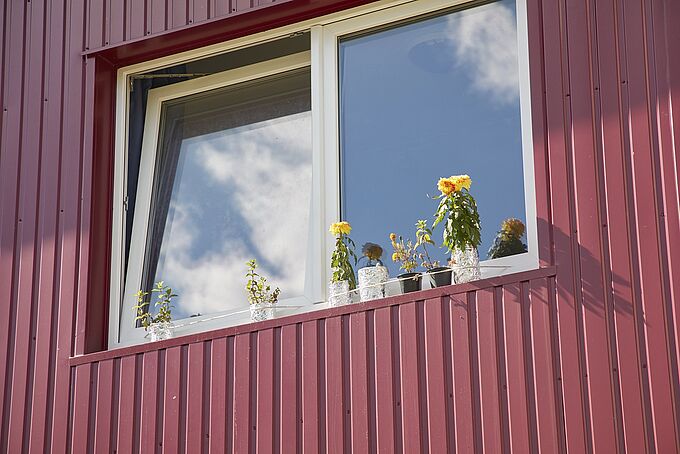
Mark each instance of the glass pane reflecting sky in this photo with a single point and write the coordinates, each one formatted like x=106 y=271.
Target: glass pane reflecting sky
x=425 y=100
x=239 y=193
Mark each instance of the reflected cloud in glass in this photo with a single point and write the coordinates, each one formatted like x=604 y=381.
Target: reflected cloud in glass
x=238 y=194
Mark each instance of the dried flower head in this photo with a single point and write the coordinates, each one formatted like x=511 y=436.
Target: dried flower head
x=372 y=251
x=513 y=227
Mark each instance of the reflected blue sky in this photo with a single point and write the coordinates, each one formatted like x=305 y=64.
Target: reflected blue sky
x=426 y=100
x=238 y=194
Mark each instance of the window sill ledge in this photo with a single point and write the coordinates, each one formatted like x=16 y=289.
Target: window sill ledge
x=318 y=314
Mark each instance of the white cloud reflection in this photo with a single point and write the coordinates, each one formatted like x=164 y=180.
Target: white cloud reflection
x=261 y=174
x=485 y=39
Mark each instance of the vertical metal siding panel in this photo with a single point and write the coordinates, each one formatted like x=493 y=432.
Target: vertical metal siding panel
x=502 y=367
x=24 y=297
x=81 y=409
x=538 y=322
x=196 y=398
x=240 y=5
x=222 y=8
x=218 y=396
x=117 y=21
x=173 y=398
x=47 y=223
x=311 y=399
x=126 y=404
x=335 y=408
x=627 y=317
x=667 y=45
x=488 y=371
x=178 y=13
x=515 y=365
x=95 y=24
x=589 y=272
x=242 y=393
x=102 y=433
x=435 y=383
x=575 y=411
x=106 y=22
x=3 y=32
x=385 y=392
x=157 y=16
x=231 y=377
x=10 y=162
x=654 y=94
x=288 y=416
x=464 y=424
x=200 y=10
x=69 y=234
x=410 y=380
x=265 y=391
x=135 y=20
x=644 y=183
x=359 y=382
x=149 y=389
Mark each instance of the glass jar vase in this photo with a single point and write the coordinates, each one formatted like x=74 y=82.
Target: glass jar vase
x=160 y=331
x=465 y=264
x=261 y=311
x=338 y=293
x=372 y=282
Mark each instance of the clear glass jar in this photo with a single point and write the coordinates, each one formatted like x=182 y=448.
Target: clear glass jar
x=465 y=264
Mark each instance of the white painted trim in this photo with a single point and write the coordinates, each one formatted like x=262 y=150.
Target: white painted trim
x=320 y=255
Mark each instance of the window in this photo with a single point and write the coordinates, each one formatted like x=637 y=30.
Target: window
x=442 y=98
x=251 y=149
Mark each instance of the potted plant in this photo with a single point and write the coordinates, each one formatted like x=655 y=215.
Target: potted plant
x=508 y=240
x=158 y=326
x=405 y=253
x=462 y=231
x=439 y=275
x=373 y=276
x=260 y=295
x=342 y=279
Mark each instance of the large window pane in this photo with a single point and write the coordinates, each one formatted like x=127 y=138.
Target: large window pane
x=425 y=100
x=232 y=182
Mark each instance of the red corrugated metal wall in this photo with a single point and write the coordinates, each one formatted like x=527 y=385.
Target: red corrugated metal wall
x=582 y=357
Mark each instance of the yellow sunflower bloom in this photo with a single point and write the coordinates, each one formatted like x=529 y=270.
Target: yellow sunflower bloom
x=462 y=181
x=341 y=227
x=446 y=186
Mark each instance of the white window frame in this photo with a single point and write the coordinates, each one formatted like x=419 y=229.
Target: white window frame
x=325 y=33
x=151 y=137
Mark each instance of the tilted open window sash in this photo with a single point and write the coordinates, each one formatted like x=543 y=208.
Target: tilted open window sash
x=225 y=176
